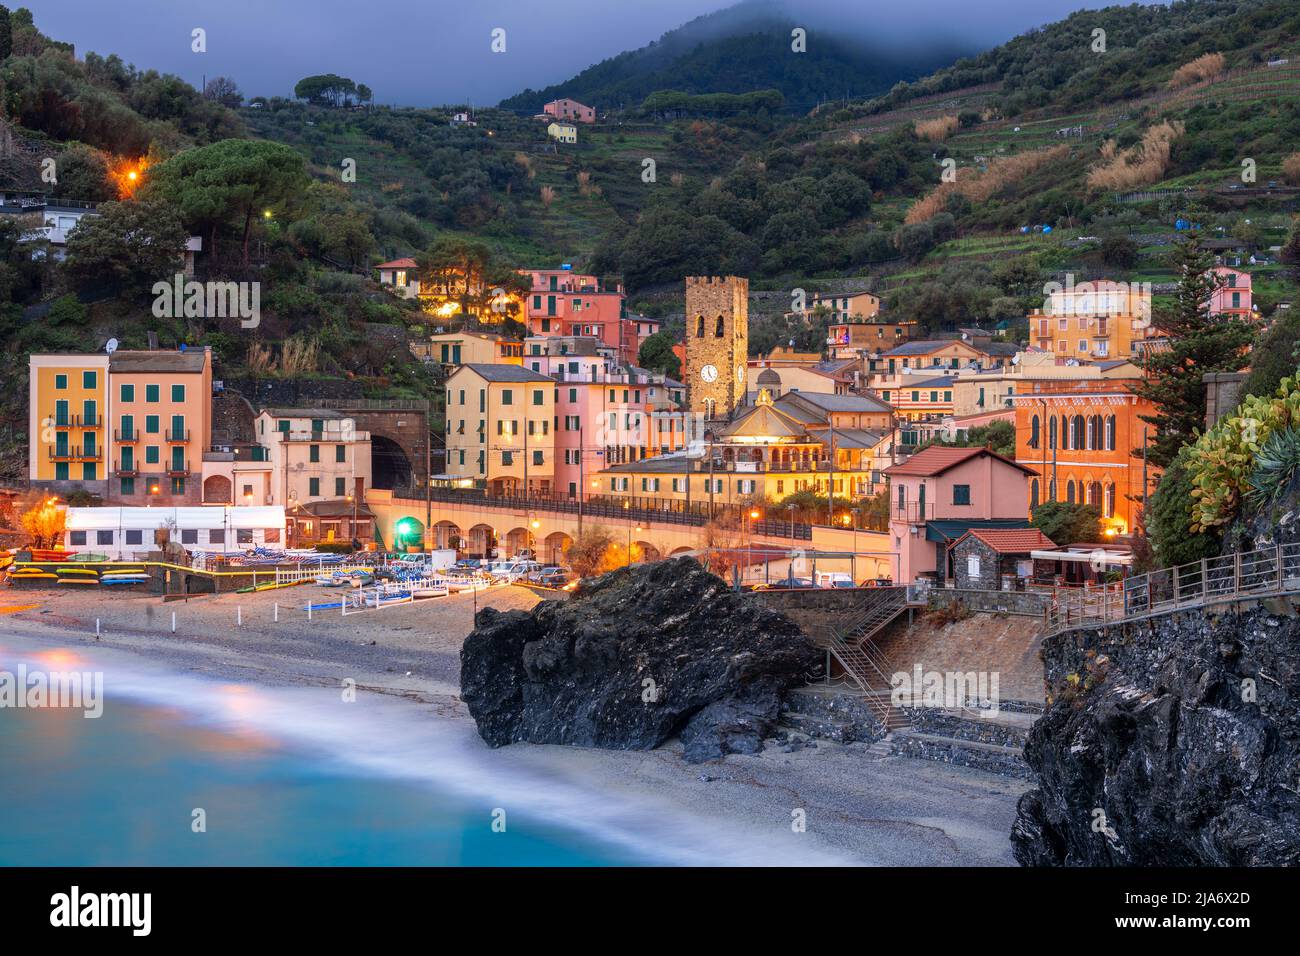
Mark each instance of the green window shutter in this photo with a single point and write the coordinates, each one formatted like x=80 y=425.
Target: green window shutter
x=178 y=393
x=151 y=393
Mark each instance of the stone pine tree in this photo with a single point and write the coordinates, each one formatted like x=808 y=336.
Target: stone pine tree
x=1198 y=342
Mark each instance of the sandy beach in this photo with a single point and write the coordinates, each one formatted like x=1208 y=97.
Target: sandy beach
x=859 y=808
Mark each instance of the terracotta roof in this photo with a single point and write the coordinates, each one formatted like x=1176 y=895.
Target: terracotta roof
x=1010 y=540
x=936 y=459
x=397 y=264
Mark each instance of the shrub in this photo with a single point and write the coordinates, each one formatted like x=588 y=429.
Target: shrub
x=1204 y=67
x=937 y=129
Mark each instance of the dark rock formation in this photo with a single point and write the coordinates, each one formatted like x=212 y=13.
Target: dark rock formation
x=1171 y=742
x=633 y=658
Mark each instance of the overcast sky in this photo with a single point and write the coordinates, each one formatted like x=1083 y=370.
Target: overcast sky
x=425 y=52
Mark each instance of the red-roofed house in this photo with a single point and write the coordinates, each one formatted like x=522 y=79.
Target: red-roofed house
x=399 y=275
x=992 y=559
x=940 y=493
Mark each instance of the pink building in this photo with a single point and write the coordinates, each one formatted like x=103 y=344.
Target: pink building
x=562 y=302
x=567 y=109
x=939 y=494
x=1234 y=297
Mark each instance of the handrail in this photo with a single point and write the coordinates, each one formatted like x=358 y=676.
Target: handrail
x=1223 y=579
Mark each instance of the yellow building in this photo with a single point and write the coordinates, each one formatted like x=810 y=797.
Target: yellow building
x=499 y=428
x=771 y=450
x=564 y=132
x=469 y=348
x=67 y=438
x=1093 y=320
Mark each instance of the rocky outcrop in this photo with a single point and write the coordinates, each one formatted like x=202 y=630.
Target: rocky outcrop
x=1169 y=742
x=632 y=659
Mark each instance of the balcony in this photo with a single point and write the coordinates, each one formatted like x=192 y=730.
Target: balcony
x=76 y=453
x=78 y=421
x=177 y=469
x=126 y=437
x=178 y=437
x=127 y=471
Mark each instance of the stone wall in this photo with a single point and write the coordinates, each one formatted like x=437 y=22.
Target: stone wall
x=990 y=565
x=711 y=297
x=1029 y=603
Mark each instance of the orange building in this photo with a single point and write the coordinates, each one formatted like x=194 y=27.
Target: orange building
x=1093 y=321
x=1085 y=439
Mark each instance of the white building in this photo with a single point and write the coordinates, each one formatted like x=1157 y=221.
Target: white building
x=131 y=533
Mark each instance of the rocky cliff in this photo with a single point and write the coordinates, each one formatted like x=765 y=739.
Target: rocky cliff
x=632 y=659
x=1170 y=742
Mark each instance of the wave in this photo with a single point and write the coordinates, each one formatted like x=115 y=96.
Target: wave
x=379 y=736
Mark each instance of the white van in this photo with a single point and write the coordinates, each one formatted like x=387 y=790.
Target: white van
x=833 y=579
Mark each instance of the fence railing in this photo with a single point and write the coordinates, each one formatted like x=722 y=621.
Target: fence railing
x=1226 y=578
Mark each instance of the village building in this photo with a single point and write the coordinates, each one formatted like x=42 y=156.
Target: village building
x=565 y=303
x=68 y=438
x=1084 y=440
x=461 y=348
x=316 y=454
x=499 y=428
x=399 y=277
x=562 y=132
x=997 y=559
x=133 y=533
x=1093 y=321
x=567 y=109
x=939 y=494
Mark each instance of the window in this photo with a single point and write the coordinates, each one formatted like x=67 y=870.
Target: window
x=1033 y=494
x=340 y=487
x=88 y=471
x=189 y=536
x=341 y=452
x=1034 y=426
x=215 y=536
x=313 y=453
x=961 y=494
x=89 y=379
x=538 y=397
x=538 y=458
x=61 y=382
x=178 y=393
x=135 y=537
x=178 y=428
x=972 y=565
x=151 y=455
x=178 y=486
x=507 y=396
x=151 y=425
x=103 y=537
x=126 y=393
x=244 y=536
x=151 y=393
x=507 y=459
x=128 y=486
x=916 y=396
x=77 y=538
x=313 y=487
x=128 y=426
x=699 y=328
x=717 y=331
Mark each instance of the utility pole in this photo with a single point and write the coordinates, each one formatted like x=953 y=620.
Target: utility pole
x=582 y=476
x=830 y=485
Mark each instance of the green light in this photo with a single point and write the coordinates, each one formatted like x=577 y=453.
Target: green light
x=407 y=528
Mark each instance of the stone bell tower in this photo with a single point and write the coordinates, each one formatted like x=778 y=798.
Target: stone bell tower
x=717 y=344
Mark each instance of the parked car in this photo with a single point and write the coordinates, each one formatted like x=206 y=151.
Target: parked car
x=784 y=584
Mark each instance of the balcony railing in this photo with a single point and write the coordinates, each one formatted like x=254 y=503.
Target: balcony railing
x=128 y=470
x=76 y=453
x=78 y=421
x=177 y=469
x=178 y=437
x=126 y=436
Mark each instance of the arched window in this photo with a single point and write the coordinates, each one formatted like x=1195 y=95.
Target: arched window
x=717 y=333
x=1033 y=432
x=1109 y=510
x=1065 y=431
x=699 y=328
x=1069 y=492
x=1094 y=493
x=1051 y=431
x=1110 y=434
x=1077 y=439
x=1033 y=493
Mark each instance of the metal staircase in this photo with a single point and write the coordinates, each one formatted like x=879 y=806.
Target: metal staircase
x=849 y=642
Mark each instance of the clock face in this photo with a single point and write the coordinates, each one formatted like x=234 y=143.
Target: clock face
x=709 y=373
x=740 y=373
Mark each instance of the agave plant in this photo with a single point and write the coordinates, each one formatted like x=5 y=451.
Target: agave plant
x=1275 y=466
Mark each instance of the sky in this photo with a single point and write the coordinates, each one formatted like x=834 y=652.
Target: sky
x=431 y=52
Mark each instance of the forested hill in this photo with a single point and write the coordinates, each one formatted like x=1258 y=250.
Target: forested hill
x=748 y=49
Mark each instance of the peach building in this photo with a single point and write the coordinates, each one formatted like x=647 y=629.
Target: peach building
x=562 y=302
x=160 y=410
x=940 y=493
x=499 y=428
x=567 y=109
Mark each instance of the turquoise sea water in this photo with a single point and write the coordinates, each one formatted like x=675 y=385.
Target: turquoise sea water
x=121 y=790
